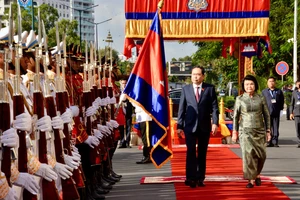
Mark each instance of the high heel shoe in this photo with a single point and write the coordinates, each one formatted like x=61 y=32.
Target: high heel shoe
x=258 y=181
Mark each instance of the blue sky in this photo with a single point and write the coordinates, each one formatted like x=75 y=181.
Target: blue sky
x=114 y=9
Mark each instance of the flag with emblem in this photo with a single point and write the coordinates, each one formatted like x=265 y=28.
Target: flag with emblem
x=147 y=87
x=25 y=3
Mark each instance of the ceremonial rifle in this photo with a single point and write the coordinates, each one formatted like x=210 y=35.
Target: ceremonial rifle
x=68 y=185
x=94 y=153
x=49 y=190
x=5 y=118
x=18 y=103
x=77 y=173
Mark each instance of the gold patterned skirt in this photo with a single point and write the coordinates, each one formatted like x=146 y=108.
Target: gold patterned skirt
x=252 y=142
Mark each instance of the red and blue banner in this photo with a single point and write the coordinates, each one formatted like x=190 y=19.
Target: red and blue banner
x=147 y=87
x=199 y=19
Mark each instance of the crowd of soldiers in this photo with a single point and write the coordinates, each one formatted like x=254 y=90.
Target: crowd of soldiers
x=57 y=107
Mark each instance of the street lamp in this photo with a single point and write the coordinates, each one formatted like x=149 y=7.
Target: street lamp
x=80 y=10
x=96 y=24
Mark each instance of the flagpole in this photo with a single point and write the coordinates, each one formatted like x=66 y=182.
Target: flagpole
x=159 y=6
x=169 y=128
x=295 y=65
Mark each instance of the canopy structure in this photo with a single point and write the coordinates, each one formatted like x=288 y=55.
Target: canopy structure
x=199 y=19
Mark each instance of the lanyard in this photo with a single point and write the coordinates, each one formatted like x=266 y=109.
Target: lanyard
x=272 y=94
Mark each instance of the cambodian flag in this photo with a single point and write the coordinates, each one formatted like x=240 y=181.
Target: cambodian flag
x=147 y=87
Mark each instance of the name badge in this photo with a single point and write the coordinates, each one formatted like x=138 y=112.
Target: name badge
x=273 y=100
x=298 y=103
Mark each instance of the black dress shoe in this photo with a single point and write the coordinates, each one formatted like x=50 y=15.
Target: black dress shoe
x=276 y=145
x=270 y=145
x=258 y=182
x=105 y=185
x=200 y=184
x=97 y=196
x=190 y=183
x=144 y=161
x=298 y=146
x=115 y=174
x=100 y=190
x=109 y=181
x=249 y=185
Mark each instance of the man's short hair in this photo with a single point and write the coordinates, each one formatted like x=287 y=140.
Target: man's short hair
x=200 y=67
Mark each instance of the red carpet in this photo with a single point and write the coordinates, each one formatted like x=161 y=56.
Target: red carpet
x=221 y=161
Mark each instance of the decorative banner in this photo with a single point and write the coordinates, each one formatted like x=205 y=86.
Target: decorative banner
x=249 y=47
x=199 y=19
x=25 y=3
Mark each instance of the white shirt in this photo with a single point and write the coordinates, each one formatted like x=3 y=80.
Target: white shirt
x=199 y=88
x=140 y=114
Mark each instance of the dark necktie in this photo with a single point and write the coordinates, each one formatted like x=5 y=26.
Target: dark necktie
x=197 y=94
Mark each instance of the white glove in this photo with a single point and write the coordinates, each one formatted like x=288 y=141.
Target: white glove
x=122 y=98
x=9 y=138
x=23 y=122
x=11 y=195
x=63 y=171
x=98 y=134
x=98 y=101
x=67 y=116
x=114 y=123
x=105 y=130
x=92 y=141
x=44 y=124
x=90 y=111
x=71 y=162
x=46 y=171
x=75 y=149
x=113 y=100
x=95 y=103
x=75 y=111
x=103 y=102
x=28 y=182
x=77 y=155
x=57 y=123
x=109 y=125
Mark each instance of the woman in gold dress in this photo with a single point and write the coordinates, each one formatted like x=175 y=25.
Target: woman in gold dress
x=251 y=123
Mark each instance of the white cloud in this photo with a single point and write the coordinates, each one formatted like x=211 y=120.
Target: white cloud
x=114 y=9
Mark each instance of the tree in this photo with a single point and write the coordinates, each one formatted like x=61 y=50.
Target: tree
x=48 y=14
x=280 y=31
x=67 y=27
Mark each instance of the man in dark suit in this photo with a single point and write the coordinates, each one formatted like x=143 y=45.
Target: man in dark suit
x=295 y=109
x=127 y=110
x=275 y=101
x=197 y=102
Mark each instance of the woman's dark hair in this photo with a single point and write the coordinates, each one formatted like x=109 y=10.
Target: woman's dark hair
x=250 y=78
x=200 y=67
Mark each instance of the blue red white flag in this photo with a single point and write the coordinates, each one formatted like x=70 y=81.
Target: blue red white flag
x=25 y=3
x=147 y=87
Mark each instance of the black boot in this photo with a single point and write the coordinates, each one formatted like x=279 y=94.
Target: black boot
x=115 y=175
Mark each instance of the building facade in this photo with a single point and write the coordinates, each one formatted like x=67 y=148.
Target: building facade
x=68 y=9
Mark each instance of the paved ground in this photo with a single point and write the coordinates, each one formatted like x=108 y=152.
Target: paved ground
x=284 y=161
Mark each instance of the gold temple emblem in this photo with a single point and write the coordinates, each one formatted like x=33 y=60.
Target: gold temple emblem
x=197 y=5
